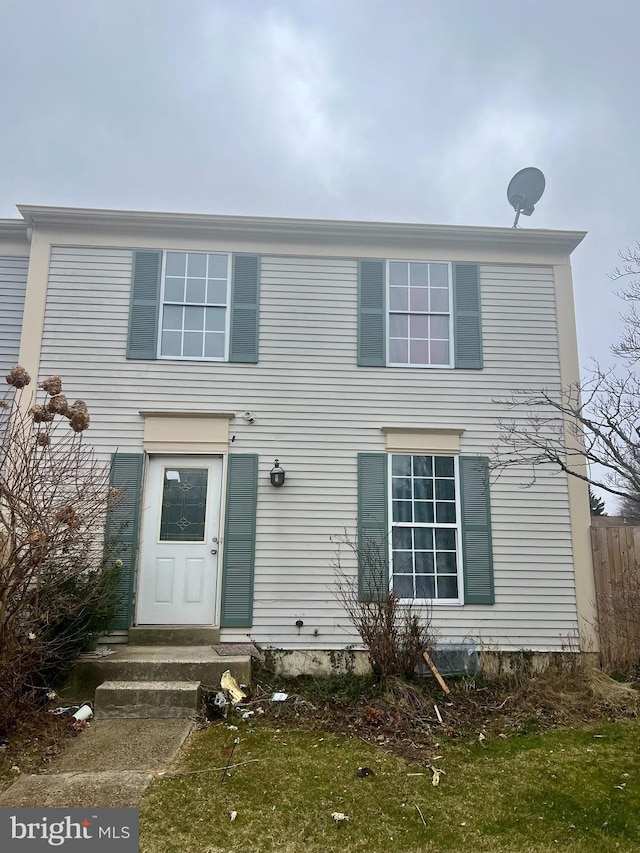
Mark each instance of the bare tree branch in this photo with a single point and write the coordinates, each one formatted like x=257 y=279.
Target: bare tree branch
x=589 y=431
x=600 y=418
x=629 y=345
x=394 y=633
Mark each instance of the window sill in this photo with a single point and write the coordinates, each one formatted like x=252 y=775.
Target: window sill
x=432 y=602
x=189 y=358
x=421 y=366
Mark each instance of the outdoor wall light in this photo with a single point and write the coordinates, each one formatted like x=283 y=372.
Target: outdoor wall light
x=277 y=475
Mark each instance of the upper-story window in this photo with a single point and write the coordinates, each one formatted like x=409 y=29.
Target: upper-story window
x=419 y=314
x=195 y=305
x=420 y=319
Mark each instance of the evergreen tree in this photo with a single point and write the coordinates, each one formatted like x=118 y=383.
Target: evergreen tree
x=629 y=508
x=597 y=504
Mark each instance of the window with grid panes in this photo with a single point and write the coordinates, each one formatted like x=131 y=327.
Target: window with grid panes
x=195 y=303
x=419 y=304
x=425 y=533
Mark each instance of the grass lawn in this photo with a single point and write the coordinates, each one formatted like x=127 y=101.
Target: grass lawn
x=572 y=791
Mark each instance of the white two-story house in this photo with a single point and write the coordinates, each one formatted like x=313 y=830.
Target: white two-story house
x=367 y=358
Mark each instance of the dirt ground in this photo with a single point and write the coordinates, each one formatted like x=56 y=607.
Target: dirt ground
x=408 y=718
x=411 y=718
x=33 y=743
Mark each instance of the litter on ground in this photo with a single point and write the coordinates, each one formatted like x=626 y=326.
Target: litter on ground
x=228 y=683
x=279 y=697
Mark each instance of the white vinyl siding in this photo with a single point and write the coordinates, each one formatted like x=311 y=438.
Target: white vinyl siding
x=13 y=282
x=315 y=410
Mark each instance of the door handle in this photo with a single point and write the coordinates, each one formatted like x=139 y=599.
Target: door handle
x=214 y=550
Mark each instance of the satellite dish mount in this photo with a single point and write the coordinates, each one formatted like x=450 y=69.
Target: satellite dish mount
x=525 y=191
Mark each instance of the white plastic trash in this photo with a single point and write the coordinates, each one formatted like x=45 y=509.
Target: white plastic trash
x=84 y=712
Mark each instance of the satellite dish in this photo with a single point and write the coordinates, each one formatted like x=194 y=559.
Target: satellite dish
x=525 y=191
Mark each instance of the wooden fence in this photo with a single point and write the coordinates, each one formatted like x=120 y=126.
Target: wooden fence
x=616 y=562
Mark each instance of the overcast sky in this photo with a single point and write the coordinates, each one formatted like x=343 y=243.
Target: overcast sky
x=398 y=110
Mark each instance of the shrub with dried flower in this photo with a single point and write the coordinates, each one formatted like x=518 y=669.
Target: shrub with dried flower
x=57 y=584
x=18 y=377
x=52 y=385
x=78 y=415
x=59 y=405
x=67 y=515
x=41 y=415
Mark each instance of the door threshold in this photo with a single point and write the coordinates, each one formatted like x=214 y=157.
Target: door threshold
x=174 y=635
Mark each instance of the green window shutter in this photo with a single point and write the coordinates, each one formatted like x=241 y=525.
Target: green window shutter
x=373 y=541
x=145 y=304
x=467 y=316
x=121 y=529
x=372 y=345
x=239 y=541
x=245 y=309
x=477 y=554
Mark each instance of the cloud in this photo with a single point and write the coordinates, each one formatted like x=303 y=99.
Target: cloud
x=502 y=131
x=297 y=94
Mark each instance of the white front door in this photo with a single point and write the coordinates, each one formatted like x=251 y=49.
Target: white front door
x=178 y=566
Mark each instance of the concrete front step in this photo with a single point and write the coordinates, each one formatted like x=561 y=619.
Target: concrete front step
x=170 y=635
x=147 y=699
x=153 y=663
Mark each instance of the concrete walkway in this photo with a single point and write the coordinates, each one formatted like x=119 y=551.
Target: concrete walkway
x=110 y=764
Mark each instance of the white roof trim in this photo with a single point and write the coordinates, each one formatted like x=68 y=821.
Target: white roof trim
x=14 y=228
x=325 y=229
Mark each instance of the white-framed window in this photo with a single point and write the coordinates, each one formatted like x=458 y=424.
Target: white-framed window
x=424 y=498
x=420 y=319
x=194 y=316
